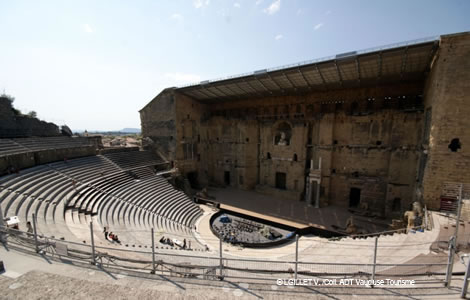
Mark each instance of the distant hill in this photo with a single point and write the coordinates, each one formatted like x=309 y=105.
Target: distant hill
x=130 y=130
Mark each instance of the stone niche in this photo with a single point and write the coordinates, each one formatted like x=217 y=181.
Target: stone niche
x=282 y=134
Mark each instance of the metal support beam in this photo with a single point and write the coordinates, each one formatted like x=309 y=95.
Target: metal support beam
x=304 y=78
x=209 y=92
x=358 y=67
x=339 y=73
x=321 y=76
x=220 y=91
x=275 y=83
x=403 y=63
x=265 y=88
x=379 y=75
x=290 y=81
x=256 y=91
x=244 y=91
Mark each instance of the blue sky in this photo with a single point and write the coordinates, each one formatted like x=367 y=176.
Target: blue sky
x=93 y=64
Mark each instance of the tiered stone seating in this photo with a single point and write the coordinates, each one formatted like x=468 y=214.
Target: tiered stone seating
x=134 y=159
x=44 y=143
x=8 y=147
x=67 y=195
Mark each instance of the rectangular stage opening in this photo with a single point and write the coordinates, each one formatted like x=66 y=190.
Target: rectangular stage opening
x=354 y=197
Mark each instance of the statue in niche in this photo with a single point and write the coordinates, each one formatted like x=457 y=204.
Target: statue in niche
x=283 y=134
x=282 y=139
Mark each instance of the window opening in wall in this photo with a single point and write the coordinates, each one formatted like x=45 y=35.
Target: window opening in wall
x=193 y=180
x=339 y=105
x=370 y=104
x=280 y=180
x=378 y=143
x=295 y=157
x=227 y=177
x=268 y=155
x=396 y=204
x=247 y=140
x=354 y=108
x=455 y=145
x=354 y=197
x=198 y=138
x=240 y=180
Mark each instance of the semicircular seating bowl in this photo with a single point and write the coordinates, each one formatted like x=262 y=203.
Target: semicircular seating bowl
x=119 y=190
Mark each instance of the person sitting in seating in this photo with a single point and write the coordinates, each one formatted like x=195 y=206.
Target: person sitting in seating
x=111 y=235
x=163 y=240
x=29 y=228
x=116 y=239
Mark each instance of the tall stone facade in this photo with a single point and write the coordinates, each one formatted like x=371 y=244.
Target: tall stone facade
x=381 y=146
x=447 y=95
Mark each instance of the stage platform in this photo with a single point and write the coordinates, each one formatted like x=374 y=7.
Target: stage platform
x=291 y=213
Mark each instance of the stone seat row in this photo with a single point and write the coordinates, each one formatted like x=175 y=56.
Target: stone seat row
x=79 y=183
x=134 y=159
x=22 y=145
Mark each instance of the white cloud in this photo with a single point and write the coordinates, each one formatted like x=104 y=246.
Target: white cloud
x=318 y=26
x=177 y=17
x=183 y=77
x=278 y=37
x=88 y=28
x=200 y=3
x=273 y=8
x=236 y=4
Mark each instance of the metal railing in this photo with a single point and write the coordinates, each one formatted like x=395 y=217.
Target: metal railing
x=214 y=266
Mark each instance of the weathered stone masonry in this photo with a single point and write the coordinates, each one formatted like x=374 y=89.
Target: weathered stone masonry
x=382 y=145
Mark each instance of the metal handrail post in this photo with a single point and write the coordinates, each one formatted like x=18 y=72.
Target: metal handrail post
x=153 y=253
x=92 y=244
x=36 y=243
